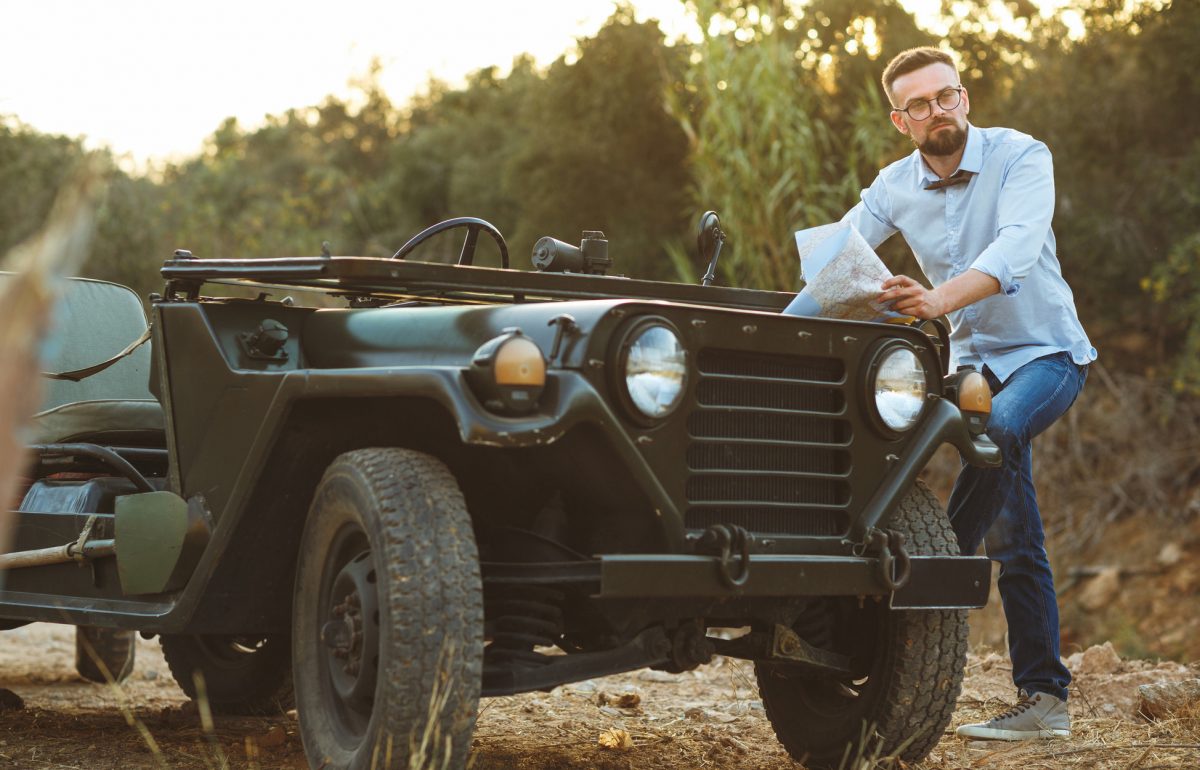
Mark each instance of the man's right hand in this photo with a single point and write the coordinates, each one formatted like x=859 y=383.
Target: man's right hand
x=909 y=297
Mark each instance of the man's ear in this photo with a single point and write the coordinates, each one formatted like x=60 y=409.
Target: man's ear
x=898 y=122
x=966 y=101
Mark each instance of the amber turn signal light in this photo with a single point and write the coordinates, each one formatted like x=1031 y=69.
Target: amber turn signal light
x=508 y=373
x=974 y=395
x=969 y=390
x=519 y=361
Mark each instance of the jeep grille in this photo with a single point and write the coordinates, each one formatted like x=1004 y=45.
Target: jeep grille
x=768 y=444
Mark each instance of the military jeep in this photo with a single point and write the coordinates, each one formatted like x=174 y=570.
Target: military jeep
x=466 y=481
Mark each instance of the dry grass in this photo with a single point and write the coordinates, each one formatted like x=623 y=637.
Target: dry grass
x=707 y=719
x=26 y=301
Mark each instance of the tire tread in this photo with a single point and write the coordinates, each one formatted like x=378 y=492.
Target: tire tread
x=435 y=600
x=927 y=651
x=263 y=687
x=116 y=648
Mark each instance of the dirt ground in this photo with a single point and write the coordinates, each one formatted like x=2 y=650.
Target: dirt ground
x=708 y=718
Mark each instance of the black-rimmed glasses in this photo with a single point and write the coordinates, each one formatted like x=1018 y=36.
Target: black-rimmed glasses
x=921 y=109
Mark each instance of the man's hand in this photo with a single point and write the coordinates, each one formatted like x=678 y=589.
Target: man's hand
x=911 y=298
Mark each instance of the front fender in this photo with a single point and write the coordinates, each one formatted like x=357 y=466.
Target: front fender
x=943 y=424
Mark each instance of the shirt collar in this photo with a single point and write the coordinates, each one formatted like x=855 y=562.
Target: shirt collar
x=972 y=159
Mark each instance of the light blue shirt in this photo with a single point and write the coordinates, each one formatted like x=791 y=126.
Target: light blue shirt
x=999 y=224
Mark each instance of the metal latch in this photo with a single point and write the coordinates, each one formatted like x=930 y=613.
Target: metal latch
x=267 y=343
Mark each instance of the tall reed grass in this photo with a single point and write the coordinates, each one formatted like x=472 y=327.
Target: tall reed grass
x=26 y=301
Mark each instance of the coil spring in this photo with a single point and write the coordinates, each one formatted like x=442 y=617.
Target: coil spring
x=523 y=619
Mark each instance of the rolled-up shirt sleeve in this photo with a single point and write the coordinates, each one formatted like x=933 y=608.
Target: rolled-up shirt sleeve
x=872 y=215
x=1025 y=209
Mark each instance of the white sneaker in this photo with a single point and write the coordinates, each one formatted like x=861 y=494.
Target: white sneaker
x=1036 y=715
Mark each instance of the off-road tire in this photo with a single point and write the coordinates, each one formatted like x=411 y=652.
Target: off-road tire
x=915 y=671
x=104 y=654
x=400 y=514
x=242 y=676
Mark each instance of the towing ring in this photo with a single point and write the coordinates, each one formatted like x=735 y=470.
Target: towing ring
x=725 y=539
x=894 y=565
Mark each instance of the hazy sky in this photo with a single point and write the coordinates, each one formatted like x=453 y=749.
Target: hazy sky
x=154 y=77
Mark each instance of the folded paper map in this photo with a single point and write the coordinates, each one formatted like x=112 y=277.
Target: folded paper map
x=843 y=276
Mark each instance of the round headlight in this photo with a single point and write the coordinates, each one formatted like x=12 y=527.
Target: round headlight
x=655 y=370
x=899 y=388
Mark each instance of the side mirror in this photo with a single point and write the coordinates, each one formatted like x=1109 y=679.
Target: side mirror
x=709 y=240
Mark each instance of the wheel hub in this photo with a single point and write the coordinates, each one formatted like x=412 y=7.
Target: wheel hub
x=350 y=634
x=344 y=638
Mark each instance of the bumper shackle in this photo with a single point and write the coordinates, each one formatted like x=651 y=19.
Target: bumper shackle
x=894 y=564
x=722 y=540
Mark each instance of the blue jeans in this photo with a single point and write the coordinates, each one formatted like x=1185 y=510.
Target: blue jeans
x=998 y=506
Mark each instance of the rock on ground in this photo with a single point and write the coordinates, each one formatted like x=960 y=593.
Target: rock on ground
x=1163 y=700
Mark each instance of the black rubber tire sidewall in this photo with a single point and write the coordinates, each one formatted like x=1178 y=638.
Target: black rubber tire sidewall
x=246 y=684
x=430 y=605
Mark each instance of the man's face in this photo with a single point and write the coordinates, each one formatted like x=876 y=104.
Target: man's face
x=944 y=132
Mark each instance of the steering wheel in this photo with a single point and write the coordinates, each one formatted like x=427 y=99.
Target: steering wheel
x=467 y=255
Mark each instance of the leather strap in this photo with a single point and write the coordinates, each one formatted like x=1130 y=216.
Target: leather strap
x=75 y=375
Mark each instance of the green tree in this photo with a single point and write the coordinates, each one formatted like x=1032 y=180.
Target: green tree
x=1119 y=109
x=451 y=158
x=585 y=144
x=33 y=166
x=602 y=153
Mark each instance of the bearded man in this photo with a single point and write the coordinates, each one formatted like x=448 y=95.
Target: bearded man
x=974 y=205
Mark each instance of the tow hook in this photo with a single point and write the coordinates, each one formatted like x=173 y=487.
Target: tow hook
x=894 y=564
x=724 y=540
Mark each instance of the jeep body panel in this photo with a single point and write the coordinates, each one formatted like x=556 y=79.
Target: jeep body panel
x=249 y=434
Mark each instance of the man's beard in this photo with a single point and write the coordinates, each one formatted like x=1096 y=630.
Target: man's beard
x=942 y=143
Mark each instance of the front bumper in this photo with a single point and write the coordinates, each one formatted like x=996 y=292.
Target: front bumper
x=934 y=582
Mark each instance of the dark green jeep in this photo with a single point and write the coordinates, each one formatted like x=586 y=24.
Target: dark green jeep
x=469 y=481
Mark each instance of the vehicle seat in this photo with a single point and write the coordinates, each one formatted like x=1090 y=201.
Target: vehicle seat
x=95 y=320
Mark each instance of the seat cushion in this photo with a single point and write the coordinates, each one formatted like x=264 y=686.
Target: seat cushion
x=137 y=422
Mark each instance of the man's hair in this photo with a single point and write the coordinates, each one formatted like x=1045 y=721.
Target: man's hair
x=910 y=61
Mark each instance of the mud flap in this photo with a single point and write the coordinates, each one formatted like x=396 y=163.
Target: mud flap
x=159 y=538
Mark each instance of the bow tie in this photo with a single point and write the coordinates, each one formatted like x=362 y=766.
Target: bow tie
x=958 y=177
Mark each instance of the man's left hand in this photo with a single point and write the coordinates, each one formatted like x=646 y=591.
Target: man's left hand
x=911 y=298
